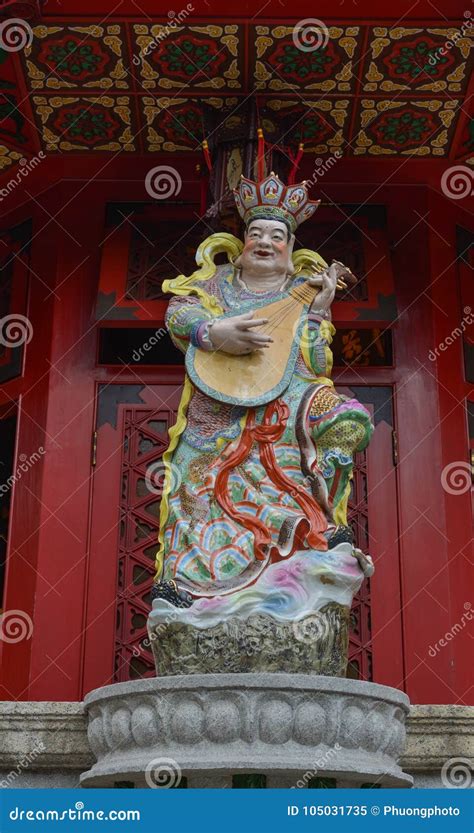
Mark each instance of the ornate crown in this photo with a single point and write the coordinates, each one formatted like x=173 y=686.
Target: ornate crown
x=272 y=198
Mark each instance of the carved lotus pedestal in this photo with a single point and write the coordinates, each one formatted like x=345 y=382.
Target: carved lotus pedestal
x=206 y=730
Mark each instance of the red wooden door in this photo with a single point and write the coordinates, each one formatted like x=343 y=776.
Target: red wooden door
x=131 y=435
x=376 y=620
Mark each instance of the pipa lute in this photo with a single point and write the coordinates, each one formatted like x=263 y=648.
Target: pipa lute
x=258 y=377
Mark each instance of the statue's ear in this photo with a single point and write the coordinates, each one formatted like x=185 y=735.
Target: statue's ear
x=237 y=262
x=291 y=242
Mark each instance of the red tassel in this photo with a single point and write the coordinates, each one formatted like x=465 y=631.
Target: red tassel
x=207 y=155
x=260 y=155
x=295 y=166
x=203 y=190
x=204 y=175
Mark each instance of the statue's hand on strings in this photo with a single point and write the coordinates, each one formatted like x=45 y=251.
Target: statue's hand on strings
x=335 y=276
x=238 y=334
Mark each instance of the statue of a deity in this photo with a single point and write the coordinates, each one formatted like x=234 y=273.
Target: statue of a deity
x=257 y=566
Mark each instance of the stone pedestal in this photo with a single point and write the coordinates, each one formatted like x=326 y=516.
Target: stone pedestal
x=44 y=744
x=288 y=729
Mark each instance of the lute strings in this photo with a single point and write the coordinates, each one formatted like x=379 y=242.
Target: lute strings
x=280 y=314
x=277 y=317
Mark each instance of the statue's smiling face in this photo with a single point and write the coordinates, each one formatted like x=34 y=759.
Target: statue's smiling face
x=267 y=248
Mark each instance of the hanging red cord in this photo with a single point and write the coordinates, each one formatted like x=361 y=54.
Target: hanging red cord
x=203 y=181
x=207 y=155
x=260 y=154
x=296 y=161
x=204 y=175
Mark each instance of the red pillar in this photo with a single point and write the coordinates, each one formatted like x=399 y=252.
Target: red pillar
x=434 y=530
x=47 y=572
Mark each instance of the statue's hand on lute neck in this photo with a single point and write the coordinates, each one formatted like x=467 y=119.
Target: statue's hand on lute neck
x=336 y=276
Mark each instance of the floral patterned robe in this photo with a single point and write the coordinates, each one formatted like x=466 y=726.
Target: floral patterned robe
x=205 y=548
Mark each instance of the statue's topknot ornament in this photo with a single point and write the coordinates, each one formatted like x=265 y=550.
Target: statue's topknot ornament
x=272 y=199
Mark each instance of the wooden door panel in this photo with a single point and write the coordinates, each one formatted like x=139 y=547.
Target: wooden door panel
x=132 y=424
x=373 y=513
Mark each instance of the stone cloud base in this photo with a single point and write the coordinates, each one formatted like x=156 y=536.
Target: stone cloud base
x=209 y=728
